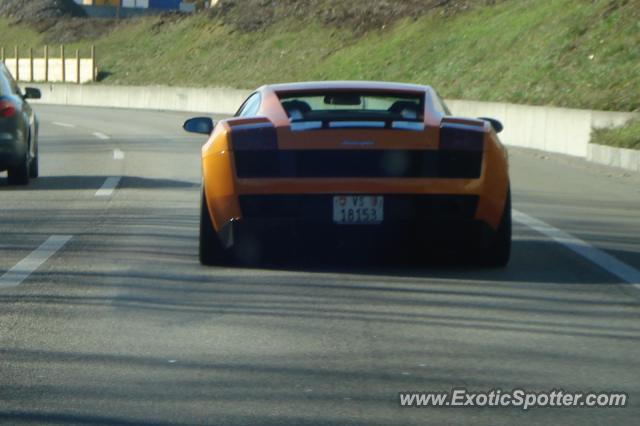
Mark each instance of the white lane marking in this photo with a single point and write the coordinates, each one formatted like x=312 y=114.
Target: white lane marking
x=21 y=271
x=108 y=187
x=57 y=123
x=101 y=136
x=118 y=154
x=605 y=261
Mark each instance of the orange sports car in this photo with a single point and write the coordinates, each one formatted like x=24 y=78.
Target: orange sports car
x=374 y=163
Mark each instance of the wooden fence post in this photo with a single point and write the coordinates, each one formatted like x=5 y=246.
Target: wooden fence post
x=64 y=75
x=94 y=69
x=31 y=64
x=17 y=55
x=46 y=63
x=77 y=66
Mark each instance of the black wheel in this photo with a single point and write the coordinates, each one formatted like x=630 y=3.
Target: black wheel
x=211 y=250
x=19 y=175
x=498 y=251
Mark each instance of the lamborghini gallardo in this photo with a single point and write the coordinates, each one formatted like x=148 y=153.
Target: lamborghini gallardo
x=373 y=163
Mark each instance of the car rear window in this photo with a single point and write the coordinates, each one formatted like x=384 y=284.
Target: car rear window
x=343 y=109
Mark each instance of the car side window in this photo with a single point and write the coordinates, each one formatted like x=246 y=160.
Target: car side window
x=440 y=105
x=11 y=84
x=5 y=88
x=250 y=107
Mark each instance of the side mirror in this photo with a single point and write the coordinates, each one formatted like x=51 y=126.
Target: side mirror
x=203 y=125
x=497 y=125
x=32 y=93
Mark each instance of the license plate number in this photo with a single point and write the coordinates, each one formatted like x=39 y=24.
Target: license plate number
x=358 y=209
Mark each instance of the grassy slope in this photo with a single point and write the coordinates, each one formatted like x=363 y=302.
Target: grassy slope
x=524 y=51
x=627 y=136
x=518 y=51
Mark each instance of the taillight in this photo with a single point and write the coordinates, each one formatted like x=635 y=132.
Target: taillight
x=461 y=137
x=7 y=109
x=256 y=136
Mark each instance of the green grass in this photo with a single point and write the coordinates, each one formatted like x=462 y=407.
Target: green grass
x=627 y=136
x=19 y=35
x=582 y=54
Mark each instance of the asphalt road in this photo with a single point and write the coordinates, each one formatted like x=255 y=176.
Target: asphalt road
x=122 y=325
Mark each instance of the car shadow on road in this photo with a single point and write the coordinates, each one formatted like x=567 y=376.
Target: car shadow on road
x=532 y=261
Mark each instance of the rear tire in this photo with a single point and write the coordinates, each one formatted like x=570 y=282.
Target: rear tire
x=211 y=251
x=498 y=252
x=19 y=175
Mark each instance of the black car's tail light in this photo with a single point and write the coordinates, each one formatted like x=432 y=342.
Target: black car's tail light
x=7 y=109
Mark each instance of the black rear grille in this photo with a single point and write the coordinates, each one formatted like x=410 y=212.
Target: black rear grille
x=358 y=163
x=397 y=207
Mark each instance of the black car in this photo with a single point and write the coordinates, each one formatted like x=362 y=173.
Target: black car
x=18 y=131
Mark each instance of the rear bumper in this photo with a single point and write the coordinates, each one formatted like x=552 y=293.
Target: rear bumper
x=310 y=235
x=12 y=150
x=307 y=219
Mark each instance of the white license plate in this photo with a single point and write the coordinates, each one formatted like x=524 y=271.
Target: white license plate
x=358 y=209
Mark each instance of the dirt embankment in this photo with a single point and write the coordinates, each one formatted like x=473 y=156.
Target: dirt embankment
x=359 y=15
x=60 y=21
x=37 y=10
x=63 y=21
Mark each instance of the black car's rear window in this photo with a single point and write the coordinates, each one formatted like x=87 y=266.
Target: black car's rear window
x=341 y=109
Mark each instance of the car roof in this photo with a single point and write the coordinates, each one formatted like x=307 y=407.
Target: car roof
x=375 y=86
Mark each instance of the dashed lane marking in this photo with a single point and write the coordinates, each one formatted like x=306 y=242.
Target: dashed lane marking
x=107 y=188
x=21 y=271
x=101 y=136
x=118 y=154
x=59 y=124
x=604 y=260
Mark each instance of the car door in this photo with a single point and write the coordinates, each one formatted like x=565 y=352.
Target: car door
x=27 y=124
